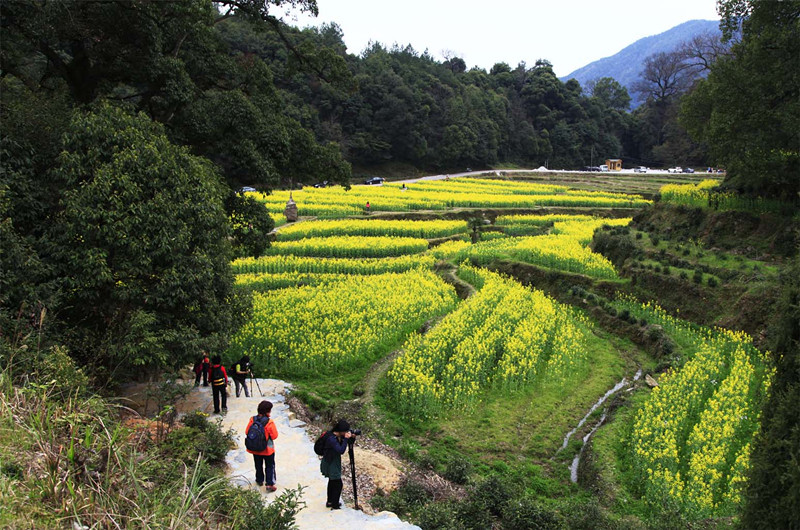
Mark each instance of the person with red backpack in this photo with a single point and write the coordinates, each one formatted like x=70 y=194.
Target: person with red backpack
x=219 y=384
x=206 y=368
x=259 y=436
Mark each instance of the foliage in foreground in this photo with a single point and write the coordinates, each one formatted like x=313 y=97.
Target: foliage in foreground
x=503 y=500
x=68 y=460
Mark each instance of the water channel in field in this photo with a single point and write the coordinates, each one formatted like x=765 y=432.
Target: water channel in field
x=573 y=468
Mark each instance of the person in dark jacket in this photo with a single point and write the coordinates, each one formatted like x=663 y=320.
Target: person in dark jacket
x=265 y=460
x=198 y=371
x=331 y=464
x=240 y=372
x=202 y=367
x=219 y=384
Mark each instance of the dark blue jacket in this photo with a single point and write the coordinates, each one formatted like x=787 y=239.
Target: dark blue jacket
x=331 y=464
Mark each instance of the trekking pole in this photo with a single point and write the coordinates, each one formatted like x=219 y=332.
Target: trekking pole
x=350 y=443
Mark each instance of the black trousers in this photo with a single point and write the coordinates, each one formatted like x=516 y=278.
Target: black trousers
x=334 y=492
x=220 y=391
x=265 y=469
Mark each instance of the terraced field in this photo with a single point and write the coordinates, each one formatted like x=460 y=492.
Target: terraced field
x=348 y=293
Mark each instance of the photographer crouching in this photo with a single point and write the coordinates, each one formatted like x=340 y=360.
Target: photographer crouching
x=241 y=370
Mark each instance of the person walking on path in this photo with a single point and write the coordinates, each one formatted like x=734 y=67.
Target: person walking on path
x=202 y=367
x=264 y=460
x=331 y=464
x=198 y=371
x=240 y=372
x=219 y=384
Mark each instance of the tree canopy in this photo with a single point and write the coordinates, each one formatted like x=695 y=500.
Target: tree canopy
x=140 y=245
x=748 y=110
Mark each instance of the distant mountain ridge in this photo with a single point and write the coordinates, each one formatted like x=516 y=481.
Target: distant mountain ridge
x=626 y=65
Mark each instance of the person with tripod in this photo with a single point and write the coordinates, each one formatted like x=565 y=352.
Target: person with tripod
x=336 y=443
x=240 y=372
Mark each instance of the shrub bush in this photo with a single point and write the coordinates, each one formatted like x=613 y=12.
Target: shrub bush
x=458 y=471
x=196 y=420
x=697 y=277
x=526 y=513
x=442 y=515
x=246 y=509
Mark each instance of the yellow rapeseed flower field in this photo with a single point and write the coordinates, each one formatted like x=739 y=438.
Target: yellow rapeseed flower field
x=690 y=436
x=505 y=336
x=350 y=321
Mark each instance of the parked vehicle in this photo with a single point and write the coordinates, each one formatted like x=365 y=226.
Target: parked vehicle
x=323 y=184
x=640 y=169
x=688 y=170
x=244 y=189
x=603 y=168
x=591 y=168
x=676 y=169
x=374 y=180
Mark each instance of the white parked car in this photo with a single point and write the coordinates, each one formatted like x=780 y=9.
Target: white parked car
x=640 y=169
x=603 y=167
x=677 y=169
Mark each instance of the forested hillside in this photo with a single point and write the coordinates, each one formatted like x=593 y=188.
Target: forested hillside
x=399 y=105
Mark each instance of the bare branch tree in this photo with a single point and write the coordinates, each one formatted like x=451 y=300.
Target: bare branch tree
x=704 y=50
x=664 y=76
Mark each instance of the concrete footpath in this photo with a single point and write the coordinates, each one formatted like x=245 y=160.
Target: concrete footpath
x=295 y=461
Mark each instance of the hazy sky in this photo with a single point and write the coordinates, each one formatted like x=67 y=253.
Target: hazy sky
x=568 y=33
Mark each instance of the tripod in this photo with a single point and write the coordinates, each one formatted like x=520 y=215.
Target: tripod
x=257 y=385
x=350 y=443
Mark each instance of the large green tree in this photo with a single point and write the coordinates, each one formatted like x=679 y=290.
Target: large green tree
x=140 y=246
x=172 y=62
x=748 y=109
